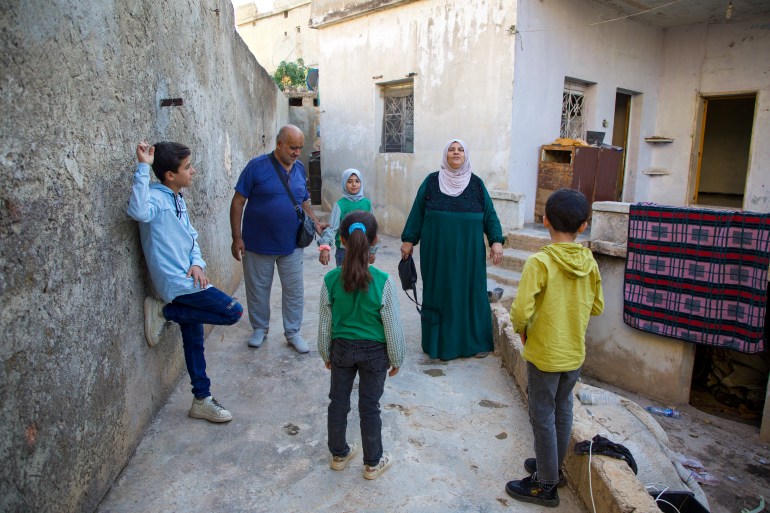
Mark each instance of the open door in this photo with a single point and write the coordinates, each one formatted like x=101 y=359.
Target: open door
x=620 y=135
x=723 y=156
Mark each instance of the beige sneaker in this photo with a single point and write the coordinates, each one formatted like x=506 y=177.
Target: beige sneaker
x=154 y=321
x=209 y=409
x=341 y=462
x=376 y=471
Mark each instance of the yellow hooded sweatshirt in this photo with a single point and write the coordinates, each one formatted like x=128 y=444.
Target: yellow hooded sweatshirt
x=560 y=289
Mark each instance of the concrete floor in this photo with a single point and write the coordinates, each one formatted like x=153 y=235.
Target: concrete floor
x=458 y=430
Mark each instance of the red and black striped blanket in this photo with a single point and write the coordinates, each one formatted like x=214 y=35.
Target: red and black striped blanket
x=698 y=275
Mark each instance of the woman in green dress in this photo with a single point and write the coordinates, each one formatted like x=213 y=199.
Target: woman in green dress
x=449 y=218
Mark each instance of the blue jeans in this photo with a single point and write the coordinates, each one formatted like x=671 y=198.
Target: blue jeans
x=370 y=360
x=191 y=312
x=339 y=256
x=550 y=413
x=258 y=270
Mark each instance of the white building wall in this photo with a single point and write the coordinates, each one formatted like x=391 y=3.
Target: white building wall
x=462 y=57
x=274 y=37
x=710 y=60
x=556 y=40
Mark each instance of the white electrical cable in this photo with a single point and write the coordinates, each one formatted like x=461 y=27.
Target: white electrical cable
x=590 y=485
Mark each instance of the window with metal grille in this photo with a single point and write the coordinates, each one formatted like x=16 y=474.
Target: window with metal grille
x=398 y=118
x=572 y=102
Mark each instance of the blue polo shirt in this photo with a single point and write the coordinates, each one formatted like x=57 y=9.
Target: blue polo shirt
x=270 y=222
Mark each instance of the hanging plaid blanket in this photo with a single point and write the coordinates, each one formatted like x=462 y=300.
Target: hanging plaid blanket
x=698 y=275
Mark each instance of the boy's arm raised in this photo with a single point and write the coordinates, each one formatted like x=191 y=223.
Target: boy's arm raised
x=140 y=207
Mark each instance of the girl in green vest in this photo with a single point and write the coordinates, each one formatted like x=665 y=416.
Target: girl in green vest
x=352 y=199
x=359 y=332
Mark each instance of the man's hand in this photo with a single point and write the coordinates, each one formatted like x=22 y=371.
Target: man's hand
x=145 y=153
x=393 y=371
x=198 y=276
x=320 y=227
x=496 y=252
x=328 y=365
x=323 y=256
x=406 y=250
x=238 y=248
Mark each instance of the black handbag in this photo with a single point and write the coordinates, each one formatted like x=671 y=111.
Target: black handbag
x=407 y=273
x=306 y=230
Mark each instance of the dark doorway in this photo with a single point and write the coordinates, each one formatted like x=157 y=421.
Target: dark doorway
x=730 y=384
x=620 y=135
x=724 y=151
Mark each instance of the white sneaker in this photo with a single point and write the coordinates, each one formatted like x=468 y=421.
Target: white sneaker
x=299 y=344
x=341 y=462
x=376 y=471
x=256 y=339
x=154 y=321
x=209 y=409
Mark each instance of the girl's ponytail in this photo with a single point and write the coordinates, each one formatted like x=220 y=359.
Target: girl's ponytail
x=358 y=231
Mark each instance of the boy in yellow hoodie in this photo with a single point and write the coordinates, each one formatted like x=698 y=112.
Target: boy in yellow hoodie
x=560 y=289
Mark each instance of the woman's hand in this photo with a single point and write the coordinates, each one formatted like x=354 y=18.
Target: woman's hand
x=495 y=252
x=406 y=250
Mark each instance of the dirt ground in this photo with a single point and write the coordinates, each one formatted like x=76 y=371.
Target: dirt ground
x=728 y=449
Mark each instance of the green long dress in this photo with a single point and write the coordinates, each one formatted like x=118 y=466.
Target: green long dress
x=456 y=317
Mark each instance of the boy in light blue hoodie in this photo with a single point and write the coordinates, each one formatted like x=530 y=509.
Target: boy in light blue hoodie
x=170 y=245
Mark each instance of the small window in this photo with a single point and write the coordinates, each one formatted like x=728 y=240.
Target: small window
x=398 y=118
x=285 y=14
x=572 y=105
x=315 y=102
x=295 y=102
x=298 y=30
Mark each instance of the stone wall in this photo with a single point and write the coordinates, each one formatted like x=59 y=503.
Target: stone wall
x=82 y=82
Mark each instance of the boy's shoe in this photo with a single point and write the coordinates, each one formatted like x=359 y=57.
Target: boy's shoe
x=376 y=471
x=209 y=408
x=154 y=321
x=257 y=338
x=530 y=490
x=530 y=465
x=341 y=462
x=299 y=344
x=482 y=354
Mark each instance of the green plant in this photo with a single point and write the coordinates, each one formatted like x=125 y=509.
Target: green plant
x=290 y=74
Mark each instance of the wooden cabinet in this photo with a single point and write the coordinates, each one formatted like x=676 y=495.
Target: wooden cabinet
x=594 y=171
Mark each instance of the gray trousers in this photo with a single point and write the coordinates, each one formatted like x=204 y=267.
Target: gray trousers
x=258 y=275
x=550 y=413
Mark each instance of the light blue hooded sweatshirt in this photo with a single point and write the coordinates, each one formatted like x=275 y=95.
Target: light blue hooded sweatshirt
x=169 y=241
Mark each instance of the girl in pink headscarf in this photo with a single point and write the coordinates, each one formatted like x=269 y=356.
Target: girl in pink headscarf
x=450 y=216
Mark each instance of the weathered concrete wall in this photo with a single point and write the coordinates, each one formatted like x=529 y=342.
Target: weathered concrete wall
x=458 y=54
x=709 y=60
x=81 y=84
x=306 y=118
x=274 y=36
x=556 y=40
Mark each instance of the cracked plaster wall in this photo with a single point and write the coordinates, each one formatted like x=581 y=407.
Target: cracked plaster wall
x=81 y=84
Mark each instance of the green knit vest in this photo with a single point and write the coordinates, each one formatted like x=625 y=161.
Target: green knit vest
x=356 y=315
x=347 y=206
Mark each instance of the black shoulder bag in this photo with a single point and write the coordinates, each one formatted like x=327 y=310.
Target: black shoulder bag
x=306 y=231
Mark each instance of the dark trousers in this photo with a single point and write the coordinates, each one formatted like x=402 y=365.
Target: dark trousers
x=191 y=312
x=370 y=360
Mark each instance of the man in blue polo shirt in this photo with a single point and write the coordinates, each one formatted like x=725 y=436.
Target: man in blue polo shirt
x=268 y=237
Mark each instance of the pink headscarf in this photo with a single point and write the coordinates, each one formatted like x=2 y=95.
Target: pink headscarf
x=453 y=182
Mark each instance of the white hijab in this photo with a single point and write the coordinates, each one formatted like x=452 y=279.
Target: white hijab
x=453 y=182
x=345 y=175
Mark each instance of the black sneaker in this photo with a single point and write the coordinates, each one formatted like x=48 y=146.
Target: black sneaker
x=529 y=490
x=530 y=465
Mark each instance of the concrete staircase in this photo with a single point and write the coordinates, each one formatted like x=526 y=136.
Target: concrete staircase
x=519 y=245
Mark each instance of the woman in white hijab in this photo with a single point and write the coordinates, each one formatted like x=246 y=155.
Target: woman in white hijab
x=450 y=216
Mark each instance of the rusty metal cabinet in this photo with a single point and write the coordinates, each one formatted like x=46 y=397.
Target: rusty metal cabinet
x=594 y=171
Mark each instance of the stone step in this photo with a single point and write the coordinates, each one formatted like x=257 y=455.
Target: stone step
x=514 y=259
x=504 y=277
x=534 y=237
